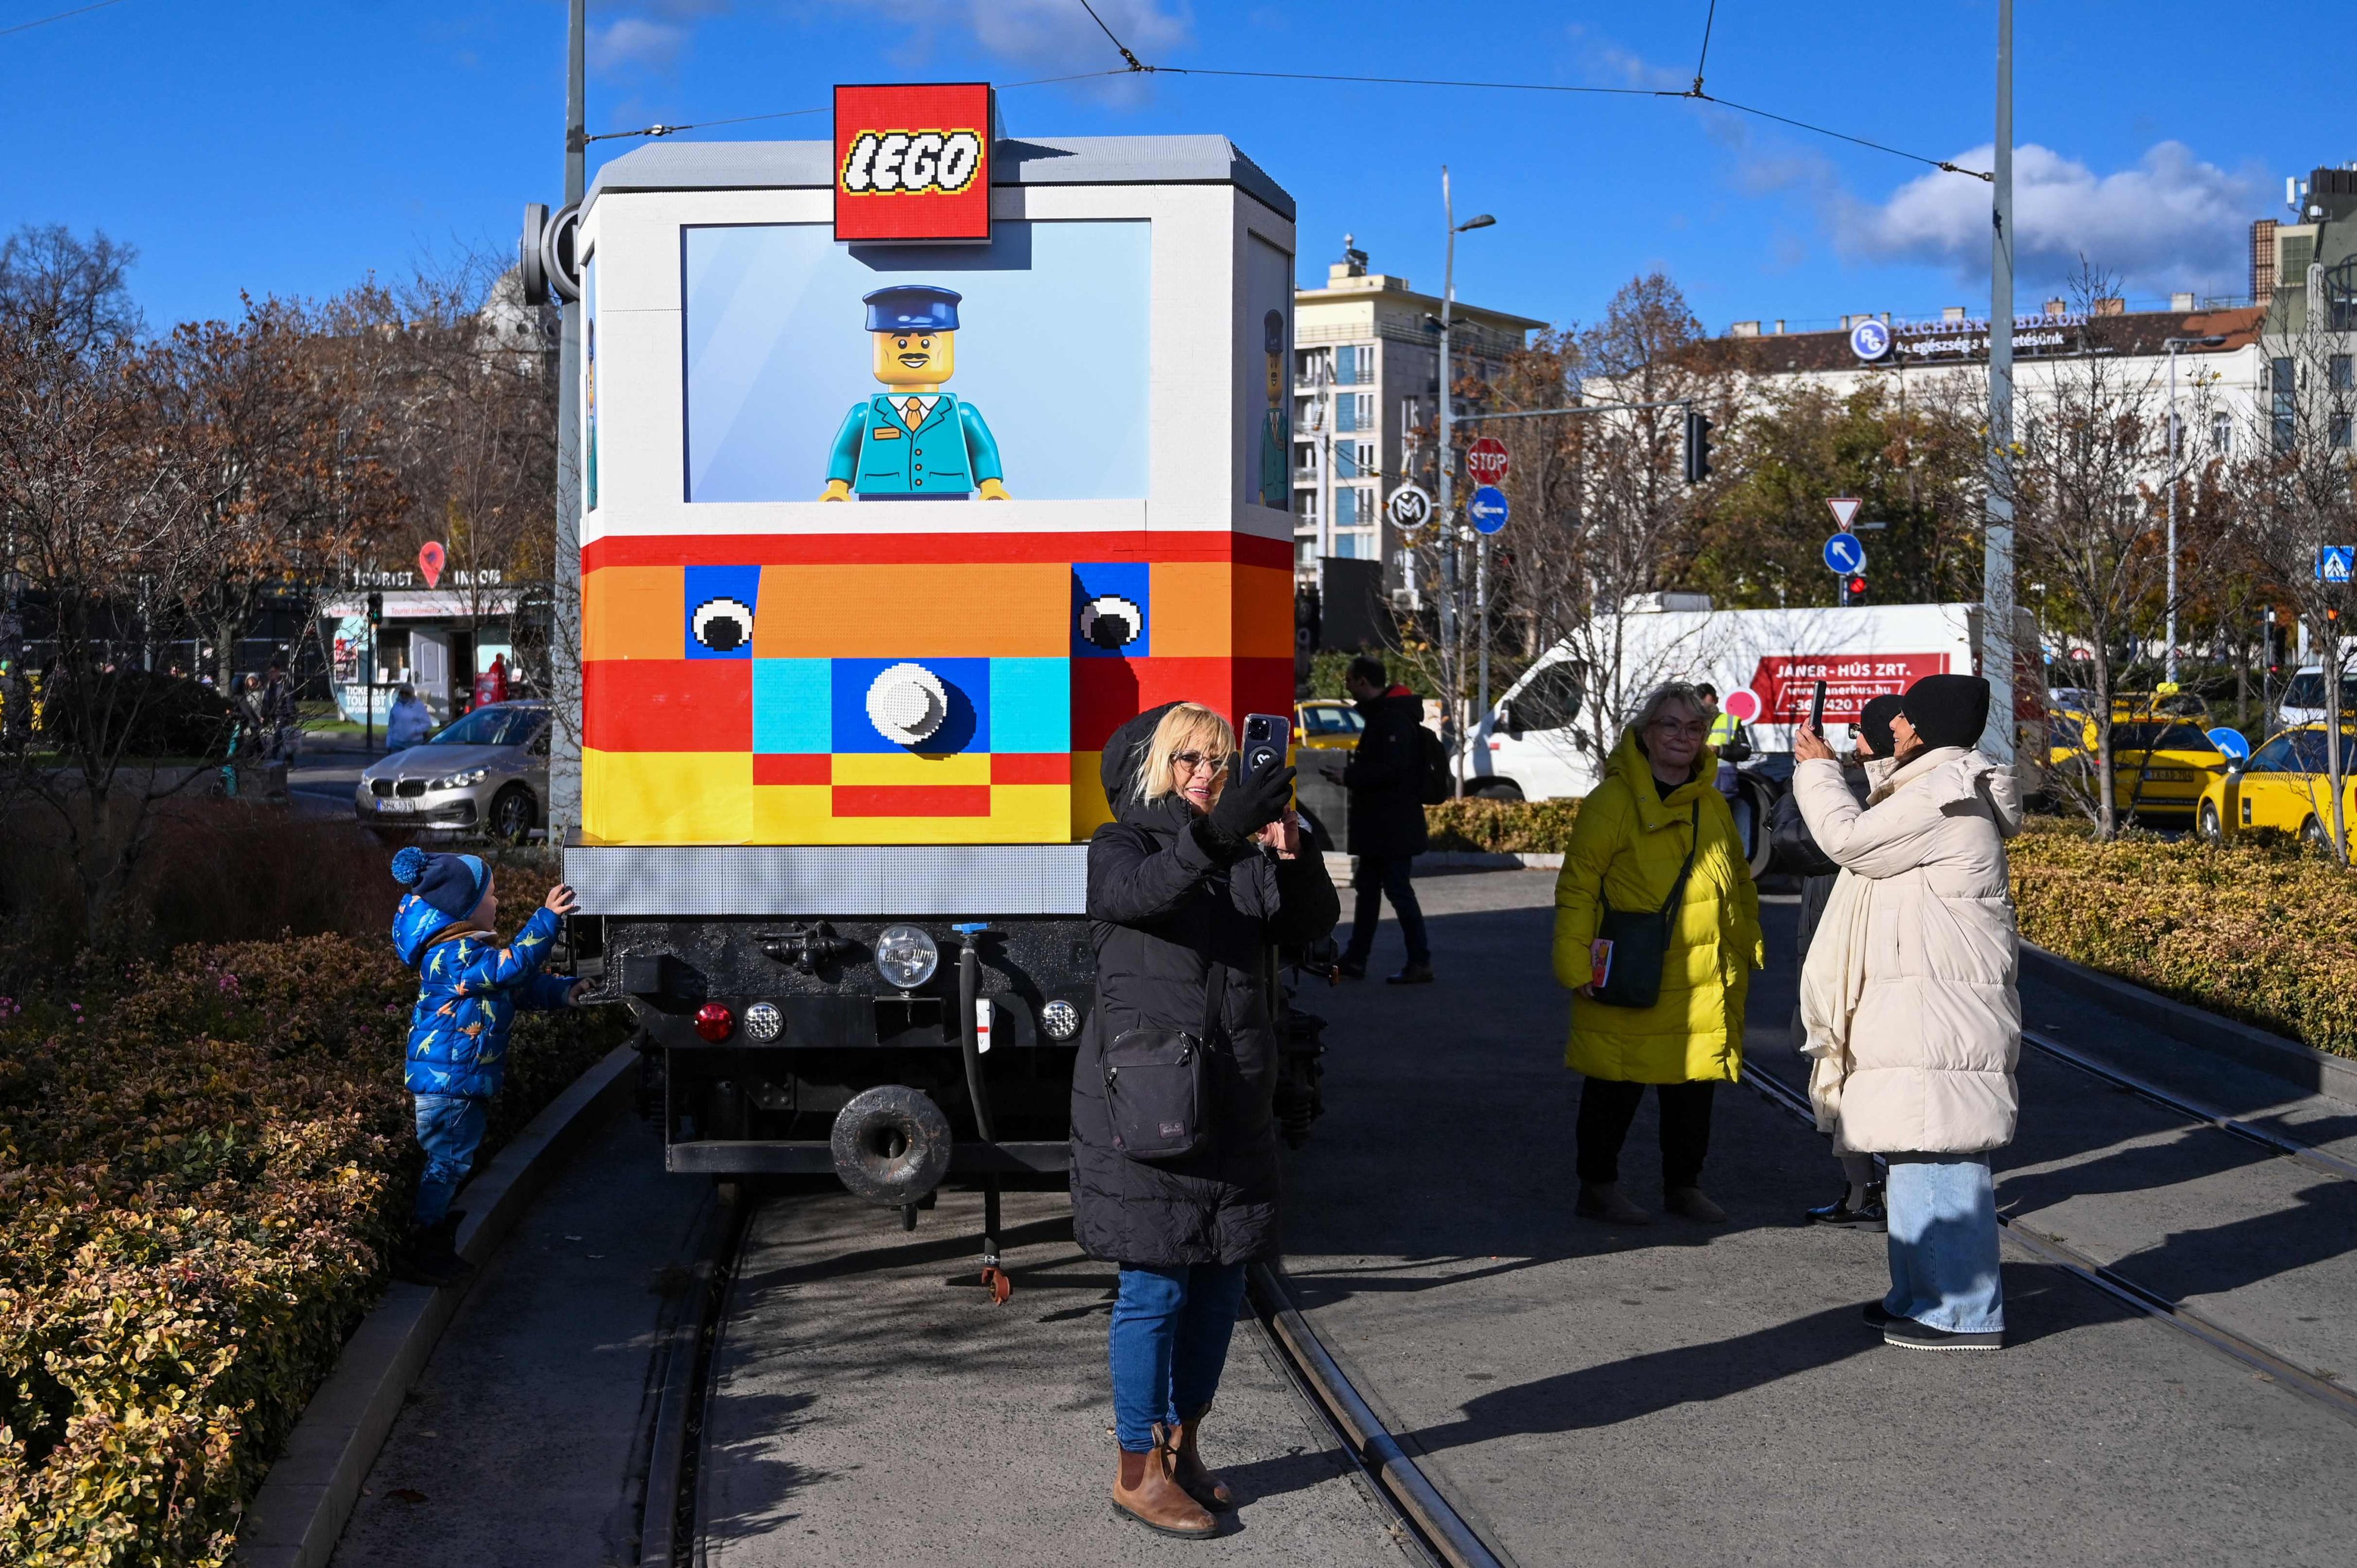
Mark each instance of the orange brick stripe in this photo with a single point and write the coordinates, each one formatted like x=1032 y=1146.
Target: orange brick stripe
x=912 y=800
x=894 y=549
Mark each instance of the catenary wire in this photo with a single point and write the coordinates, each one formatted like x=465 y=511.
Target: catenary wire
x=60 y=16
x=1703 y=58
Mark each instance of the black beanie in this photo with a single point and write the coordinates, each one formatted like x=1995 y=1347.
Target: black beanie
x=1948 y=710
x=1874 y=722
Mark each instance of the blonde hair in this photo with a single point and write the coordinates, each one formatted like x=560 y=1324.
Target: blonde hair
x=1660 y=697
x=1187 y=726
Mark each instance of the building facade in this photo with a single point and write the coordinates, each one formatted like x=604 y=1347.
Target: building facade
x=1366 y=399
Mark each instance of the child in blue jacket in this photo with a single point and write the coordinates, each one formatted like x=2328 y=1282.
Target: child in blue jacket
x=469 y=987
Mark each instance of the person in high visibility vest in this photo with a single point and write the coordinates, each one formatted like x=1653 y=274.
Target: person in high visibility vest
x=1723 y=727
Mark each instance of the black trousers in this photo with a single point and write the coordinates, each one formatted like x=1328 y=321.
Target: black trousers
x=1379 y=877
x=1606 y=1107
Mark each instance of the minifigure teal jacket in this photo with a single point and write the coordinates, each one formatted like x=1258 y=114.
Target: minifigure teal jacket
x=950 y=453
x=469 y=986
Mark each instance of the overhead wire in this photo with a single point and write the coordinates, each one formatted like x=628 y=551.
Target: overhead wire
x=1133 y=66
x=60 y=16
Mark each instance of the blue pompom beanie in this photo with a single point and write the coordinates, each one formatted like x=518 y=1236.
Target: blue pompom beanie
x=453 y=884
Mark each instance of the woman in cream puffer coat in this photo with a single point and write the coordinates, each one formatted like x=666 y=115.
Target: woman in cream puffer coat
x=1909 y=1001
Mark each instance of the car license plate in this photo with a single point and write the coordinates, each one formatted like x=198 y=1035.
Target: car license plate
x=397 y=806
x=2159 y=775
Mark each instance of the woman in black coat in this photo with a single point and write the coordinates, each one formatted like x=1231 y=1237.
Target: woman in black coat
x=1188 y=888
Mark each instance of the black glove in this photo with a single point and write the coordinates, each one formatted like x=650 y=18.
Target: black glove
x=1246 y=808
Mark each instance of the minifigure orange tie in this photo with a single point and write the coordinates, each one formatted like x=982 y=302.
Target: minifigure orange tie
x=914 y=412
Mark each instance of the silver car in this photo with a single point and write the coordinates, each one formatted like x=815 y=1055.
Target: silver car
x=485 y=772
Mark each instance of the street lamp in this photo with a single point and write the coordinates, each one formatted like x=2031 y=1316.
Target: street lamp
x=1453 y=632
x=2168 y=661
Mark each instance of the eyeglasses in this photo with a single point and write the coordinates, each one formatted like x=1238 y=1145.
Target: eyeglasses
x=1190 y=761
x=1671 y=726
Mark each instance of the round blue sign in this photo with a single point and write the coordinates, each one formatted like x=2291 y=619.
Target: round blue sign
x=2232 y=743
x=1487 y=509
x=1870 y=340
x=1844 y=554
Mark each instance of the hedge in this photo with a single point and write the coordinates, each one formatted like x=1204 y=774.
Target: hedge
x=201 y=1177
x=2262 y=930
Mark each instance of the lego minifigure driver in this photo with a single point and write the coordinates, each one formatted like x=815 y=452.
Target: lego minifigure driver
x=914 y=441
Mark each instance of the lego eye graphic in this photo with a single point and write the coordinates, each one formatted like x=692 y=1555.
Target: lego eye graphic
x=1111 y=621
x=723 y=625
x=907 y=703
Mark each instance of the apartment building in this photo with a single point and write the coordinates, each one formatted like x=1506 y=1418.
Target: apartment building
x=1366 y=403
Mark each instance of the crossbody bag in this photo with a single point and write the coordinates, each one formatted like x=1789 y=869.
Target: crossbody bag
x=1640 y=938
x=1157 y=1082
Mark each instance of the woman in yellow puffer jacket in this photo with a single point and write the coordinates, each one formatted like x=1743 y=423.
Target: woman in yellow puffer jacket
x=1657 y=801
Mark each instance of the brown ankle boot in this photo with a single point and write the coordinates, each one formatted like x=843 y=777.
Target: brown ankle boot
x=1146 y=1493
x=1186 y=1466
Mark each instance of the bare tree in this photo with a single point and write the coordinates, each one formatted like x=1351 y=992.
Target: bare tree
x=2291 y=490
x=2092 y=472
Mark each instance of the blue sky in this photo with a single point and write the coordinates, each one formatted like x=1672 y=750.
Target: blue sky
x=292 y=147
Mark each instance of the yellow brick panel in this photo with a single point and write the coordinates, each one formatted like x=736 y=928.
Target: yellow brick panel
x=667 y=797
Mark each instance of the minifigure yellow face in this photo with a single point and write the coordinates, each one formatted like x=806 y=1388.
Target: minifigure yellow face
x=1276 y=378
x=915 y=359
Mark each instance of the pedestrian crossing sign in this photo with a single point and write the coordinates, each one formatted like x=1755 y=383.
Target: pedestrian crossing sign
x=2336 y=563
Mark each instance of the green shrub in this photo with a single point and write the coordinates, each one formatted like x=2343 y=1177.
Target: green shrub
x=2260 y=929
x=147 y=713
x=199 y=1179
x=1516 y=827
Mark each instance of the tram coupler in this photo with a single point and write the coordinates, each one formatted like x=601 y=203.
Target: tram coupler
x=994 y=1280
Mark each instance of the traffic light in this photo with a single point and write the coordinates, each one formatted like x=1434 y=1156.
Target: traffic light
x=2278 y=645
x=1853 y=589
x=1698 y=446
x=376 y=608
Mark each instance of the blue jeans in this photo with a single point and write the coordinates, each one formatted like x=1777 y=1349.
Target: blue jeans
x=449 y=1129
x=1943 y=1258
x=1170 y=1343
x=1379 y=877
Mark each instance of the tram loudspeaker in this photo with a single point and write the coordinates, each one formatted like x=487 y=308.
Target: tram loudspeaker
x=891 y=1145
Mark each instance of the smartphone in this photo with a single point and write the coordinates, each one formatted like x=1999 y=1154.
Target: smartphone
x=1818 y=712
x=1268 y=737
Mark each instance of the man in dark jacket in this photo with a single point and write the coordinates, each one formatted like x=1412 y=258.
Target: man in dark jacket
x=1386 y=777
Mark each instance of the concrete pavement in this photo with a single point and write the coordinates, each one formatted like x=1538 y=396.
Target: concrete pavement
x=1682 y=1394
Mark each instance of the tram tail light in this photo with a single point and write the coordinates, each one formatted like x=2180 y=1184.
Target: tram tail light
x=714 y=1022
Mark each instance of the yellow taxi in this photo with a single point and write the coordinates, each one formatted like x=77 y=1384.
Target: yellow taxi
x=2066 y=740
x=2160 y=766
x=1327 y=724
x=2286 y=784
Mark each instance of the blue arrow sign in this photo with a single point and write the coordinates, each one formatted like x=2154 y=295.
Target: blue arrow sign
x=1844 y=554
x=1488 y=509
x=2336 y=563
x=2232 y=743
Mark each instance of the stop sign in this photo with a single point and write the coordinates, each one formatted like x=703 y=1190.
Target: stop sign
x=1485 y=461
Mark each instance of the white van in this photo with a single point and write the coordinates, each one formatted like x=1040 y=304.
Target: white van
x=2301 y=701
x=1542 y=738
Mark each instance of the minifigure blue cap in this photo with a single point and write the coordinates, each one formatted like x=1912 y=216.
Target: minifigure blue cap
x=912 y=307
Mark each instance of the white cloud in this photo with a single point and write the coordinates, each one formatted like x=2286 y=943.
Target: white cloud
x=2171 y=221
x=637 y=41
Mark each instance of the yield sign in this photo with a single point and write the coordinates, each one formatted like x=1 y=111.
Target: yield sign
x=1845 y=508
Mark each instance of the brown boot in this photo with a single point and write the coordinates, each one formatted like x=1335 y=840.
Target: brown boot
x=1186 y=1466
x=1146 y=1493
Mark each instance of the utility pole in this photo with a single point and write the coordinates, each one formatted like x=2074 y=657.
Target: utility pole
x=1451 y=633
x=1997 y=560
x=564 y=643
x=2173 y=345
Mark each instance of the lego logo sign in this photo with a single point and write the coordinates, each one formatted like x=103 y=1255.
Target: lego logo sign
x=913 y=163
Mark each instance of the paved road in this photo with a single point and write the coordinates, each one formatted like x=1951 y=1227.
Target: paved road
x=1688 y=1395
x=870 y=1408
x=521 y=1443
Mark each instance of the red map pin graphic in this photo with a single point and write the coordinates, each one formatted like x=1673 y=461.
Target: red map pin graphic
x=429 y=561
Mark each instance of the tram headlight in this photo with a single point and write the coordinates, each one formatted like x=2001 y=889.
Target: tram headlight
x=764 y=1022
x=1061 y=1019
x=906 y=957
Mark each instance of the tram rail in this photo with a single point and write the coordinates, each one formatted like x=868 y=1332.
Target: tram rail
x=671 y=1530
x=2141 y=1299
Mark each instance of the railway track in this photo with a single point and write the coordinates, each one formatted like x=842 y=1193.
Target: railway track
x=672 y=1532
x=2138 y=1298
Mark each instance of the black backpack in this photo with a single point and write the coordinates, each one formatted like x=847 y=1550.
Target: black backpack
x=1437 y=782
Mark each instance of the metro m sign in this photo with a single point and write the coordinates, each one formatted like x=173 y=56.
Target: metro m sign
x=912 y=162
